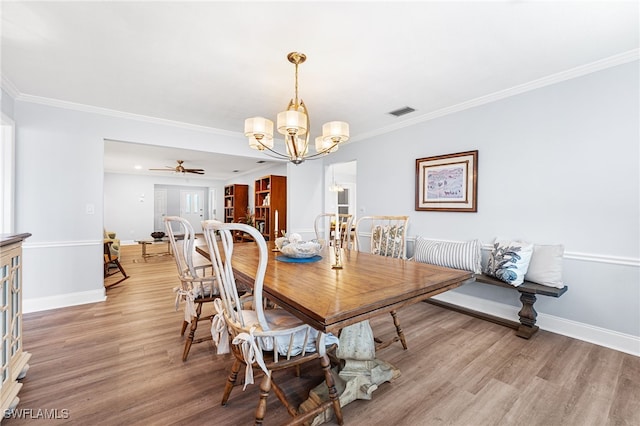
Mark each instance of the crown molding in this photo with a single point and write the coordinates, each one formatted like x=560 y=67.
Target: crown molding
x=612 y=61
x=8 y=86
x=120 y=114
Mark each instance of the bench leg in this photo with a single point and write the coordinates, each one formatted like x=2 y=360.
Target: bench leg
x=528 y=316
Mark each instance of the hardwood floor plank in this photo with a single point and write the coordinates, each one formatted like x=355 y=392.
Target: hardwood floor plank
x=119 y=362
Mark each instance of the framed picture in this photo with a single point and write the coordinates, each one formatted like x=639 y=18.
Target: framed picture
x=447 y=183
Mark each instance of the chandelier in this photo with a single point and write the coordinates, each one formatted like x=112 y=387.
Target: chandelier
x=293 y=123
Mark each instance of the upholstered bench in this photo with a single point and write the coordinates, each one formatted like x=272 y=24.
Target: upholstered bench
x=527 y=268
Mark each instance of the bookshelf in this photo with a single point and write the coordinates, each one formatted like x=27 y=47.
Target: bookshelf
x=236 y=201
x=270 y=197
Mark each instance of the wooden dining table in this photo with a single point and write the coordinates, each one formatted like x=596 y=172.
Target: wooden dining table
x=341 y=301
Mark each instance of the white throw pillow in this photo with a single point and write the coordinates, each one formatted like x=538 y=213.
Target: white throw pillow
x=509 y=261
x=546 y=265
x=457 y=255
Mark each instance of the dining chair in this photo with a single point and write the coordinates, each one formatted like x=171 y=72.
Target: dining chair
x=324 y=226
x=384 y=236
x=196 y=287
x=265 y=339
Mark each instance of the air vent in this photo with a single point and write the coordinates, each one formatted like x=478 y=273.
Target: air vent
x=402 y=111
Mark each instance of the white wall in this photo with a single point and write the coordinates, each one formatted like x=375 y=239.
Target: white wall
x=129 y=202
x=556 y=165
x=59 y=173
x=129 y=199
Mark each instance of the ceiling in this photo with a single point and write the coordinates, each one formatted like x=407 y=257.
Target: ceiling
x=216 y=63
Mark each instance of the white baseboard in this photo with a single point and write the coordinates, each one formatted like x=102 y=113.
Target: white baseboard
x=62 y=300
x=600 y=336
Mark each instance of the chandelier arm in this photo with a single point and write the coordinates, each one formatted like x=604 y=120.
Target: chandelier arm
x=277 y=154
x=321 y=153
x=292 y=145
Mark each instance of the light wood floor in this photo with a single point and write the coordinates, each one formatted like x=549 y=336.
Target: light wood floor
x=119 y=362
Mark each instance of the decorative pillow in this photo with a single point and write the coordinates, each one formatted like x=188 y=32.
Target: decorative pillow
x=546 y=265
x=457 y=255
x=388 y=240
x=509 y=261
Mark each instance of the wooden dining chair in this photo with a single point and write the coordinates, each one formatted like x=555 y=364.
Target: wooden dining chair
x=324 y=226
x=196 y=287
x=384 y=236
x=265 y=339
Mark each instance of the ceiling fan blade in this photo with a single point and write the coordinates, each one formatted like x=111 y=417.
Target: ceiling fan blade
x=194 y=172
x=164 y=170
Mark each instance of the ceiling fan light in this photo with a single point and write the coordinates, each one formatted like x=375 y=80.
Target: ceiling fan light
x=292 y=122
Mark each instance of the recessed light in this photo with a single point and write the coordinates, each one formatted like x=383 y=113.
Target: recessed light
x=260 y=161
x=236 y=171
x=137 y=167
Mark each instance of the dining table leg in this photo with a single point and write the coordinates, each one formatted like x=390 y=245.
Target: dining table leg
x=361 y=374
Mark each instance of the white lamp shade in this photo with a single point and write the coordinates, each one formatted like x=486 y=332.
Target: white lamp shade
x=336 y=130
x=258 y=126
x=260 y=146
x=294 y=122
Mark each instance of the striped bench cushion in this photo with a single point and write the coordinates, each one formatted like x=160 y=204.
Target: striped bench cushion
x=457 y=255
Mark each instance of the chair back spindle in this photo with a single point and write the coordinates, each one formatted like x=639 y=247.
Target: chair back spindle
x=325 y=228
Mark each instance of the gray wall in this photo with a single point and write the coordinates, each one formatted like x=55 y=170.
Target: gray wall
x=556 y=165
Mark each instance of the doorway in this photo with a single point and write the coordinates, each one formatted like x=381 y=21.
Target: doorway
x=192 y=208
x=340 y=181
x=189 y=202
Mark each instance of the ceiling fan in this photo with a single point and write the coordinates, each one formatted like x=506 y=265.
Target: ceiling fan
x=180 y=169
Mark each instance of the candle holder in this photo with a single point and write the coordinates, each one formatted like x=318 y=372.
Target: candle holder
x=337 y=250
x=275 y=247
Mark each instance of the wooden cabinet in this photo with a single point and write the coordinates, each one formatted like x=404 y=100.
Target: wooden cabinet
x=270 y=197
x=13 y=358
x=236 y=201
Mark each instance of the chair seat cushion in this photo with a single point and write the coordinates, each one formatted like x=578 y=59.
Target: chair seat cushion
x=204 y=290
x=280 y=319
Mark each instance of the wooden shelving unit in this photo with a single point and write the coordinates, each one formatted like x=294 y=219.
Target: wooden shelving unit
x=236 y=201
x=270 y=196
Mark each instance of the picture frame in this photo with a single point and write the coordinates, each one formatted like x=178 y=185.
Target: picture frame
x=447 y=183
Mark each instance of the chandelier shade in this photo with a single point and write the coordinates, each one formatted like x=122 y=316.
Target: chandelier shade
x=294 y=124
